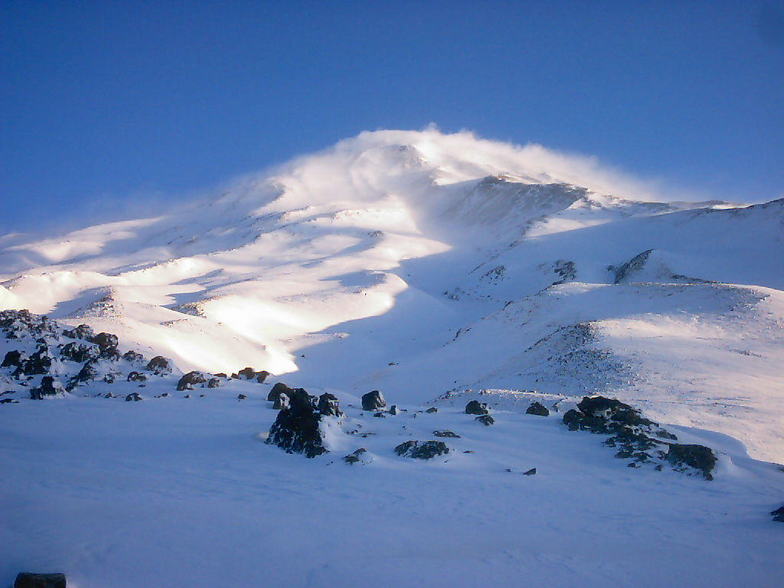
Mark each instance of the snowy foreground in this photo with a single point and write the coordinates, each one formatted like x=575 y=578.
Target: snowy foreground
x=183 y=492
x=427 y=266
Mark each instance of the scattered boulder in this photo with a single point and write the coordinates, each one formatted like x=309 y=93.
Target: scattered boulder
x=778 y=514
x=31 y=580
x=137 y=377
x=431 y=410
x=221 y=375
x=133 y=356
x=476 y=407
x=133 y=397
x=88 y=373
x=160 y=366
x=531 y=472
x=241 y=397
x=262 y=376
x=393 y=410
x=486 y=420
x=189 y=380
x=537 y=409
x=697 y=456
x=373 y=400
x=422 y=449
x=14 y=359
x=106 y=341
x=278 y=389
x=213 y=383
x=328 y=405
x=603 y=415
x=81 y=332
x=247 y=373
x=79 y=352
x=296 y=429
x=355 y=456
x=39 y=363
x=449 y=434
x=49 y=387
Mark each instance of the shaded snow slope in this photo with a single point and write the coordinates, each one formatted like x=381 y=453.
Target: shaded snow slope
x=421 y=262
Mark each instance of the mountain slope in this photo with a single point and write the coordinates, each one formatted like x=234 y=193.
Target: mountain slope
x=420 y=262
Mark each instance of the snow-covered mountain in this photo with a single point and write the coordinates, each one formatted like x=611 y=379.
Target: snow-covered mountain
x=448 y=272
x=447 y=261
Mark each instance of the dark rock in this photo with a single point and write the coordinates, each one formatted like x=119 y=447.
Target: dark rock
x=109 y=379
x=393 y=410
x=354 y=457
x=249 y=373
x=137 y=377
x=189 y=380
x=697 y=456
x=88 y=373
x=486 y=420
x=296 y=429
x=446 y=434
x=133 y=356
x=49 y=387
x=476 y=407
x=379 y=415
x=106 y=341
x=39 y=363
x=8 y=401
x=221 y=375
x=241 y=397
x=160 y=366
x=79 y=352
x=213 y=383
x=373 y=400
x=31 y=580
x=422 y=449
x=278 y=389
x=612 y=409
x=133 y=397
x=431 y=410
x=531 y=472
x=81 y=332
x=635 y=264
x=328 y=405
x=14 y=359
x=778 y=514
x=537 y=409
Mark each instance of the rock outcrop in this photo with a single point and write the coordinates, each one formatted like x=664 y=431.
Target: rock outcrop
x=422 y=449
x=297 y=426
x=373 y=401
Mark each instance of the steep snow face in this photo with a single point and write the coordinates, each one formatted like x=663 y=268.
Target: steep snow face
x=422 y=262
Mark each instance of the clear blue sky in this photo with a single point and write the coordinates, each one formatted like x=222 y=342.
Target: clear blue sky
x=101 y=102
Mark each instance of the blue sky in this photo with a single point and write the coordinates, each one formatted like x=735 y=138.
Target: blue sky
x=107 y=103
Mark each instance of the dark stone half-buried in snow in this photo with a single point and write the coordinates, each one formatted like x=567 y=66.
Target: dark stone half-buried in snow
x=296 y=428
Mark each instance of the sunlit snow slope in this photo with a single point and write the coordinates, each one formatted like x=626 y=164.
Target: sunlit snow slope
x=419 y=262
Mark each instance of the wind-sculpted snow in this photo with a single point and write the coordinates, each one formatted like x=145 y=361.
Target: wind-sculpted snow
x=424 y=262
